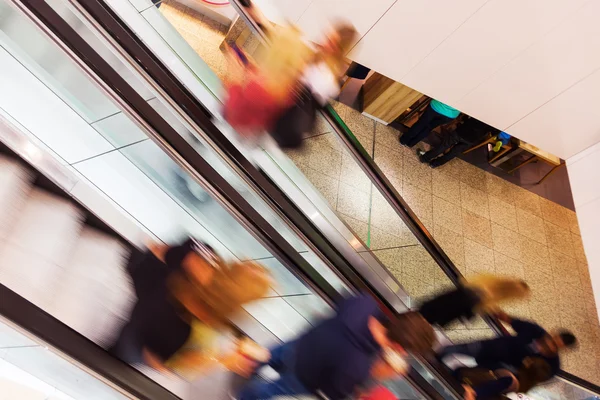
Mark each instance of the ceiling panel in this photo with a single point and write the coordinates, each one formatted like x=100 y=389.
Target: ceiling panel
x=321 y=13
x=409 y=31
x=567 y=124
x=559 y=60
x=494 y=35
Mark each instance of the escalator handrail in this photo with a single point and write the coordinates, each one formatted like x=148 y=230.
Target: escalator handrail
x=386 y=188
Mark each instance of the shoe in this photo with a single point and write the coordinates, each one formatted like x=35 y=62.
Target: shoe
x=420 y=152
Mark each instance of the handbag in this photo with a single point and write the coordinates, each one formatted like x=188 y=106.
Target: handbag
x=297 y=120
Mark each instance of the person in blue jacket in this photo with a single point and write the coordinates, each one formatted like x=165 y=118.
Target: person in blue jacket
x=436 y=114
x=514 y=351
x=340 y=354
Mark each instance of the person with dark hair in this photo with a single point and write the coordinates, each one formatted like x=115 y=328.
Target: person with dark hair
x=513 y=352
x=453 y=143
x=436 y=114
x=341 y=354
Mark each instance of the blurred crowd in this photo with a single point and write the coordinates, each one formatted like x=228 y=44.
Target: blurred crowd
x=187 y=297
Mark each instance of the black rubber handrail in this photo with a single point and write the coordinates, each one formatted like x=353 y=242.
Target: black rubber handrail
x=386 y=188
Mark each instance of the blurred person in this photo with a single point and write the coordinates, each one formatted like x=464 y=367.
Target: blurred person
x=494 y=384
x=259 y=91
x=185 y=297
x=339 y=355
x=454 y=142
x=481 y=294
x=515 y=351
x=157 y=3
x=436 y=114
x=318 y=84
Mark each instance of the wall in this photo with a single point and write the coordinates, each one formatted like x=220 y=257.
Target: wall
x=530 y=67
x=584 y=174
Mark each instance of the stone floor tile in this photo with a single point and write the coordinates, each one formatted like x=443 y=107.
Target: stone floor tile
x=360 y=228
x=418 y=262
x=353 y=175
x=353 y=203
x=392 y=259
x=445 y=186
x=506 y=242
x=555 y=213
x=417 y=288
x=452 y=244
x=477 y=228
x=573 y=223
x=578 y=250
x=474 y=200
x=389 y=161
x=565 y=271
x=325 y=185
x=500 y=188
x=531 y=226
x=559 y=239
x=503 y=213
x=417 y=174
x=473 y=176
x=533 y=252
x=528 y=201
x=478 y=258
x=420 y=202
x=382 y=239
x=507 y=266
x=447 y=215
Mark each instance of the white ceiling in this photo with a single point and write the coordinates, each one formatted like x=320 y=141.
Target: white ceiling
x=530 y=67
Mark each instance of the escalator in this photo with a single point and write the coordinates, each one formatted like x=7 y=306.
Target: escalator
x=314 y=255
x=311 y=275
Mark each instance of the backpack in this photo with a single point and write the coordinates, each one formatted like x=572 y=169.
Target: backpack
x=296 y=121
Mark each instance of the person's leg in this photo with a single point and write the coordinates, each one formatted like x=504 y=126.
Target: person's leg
x=472 y=349
x=421 y=124
x=447 y=140
x=434 y=122
x=454 y=152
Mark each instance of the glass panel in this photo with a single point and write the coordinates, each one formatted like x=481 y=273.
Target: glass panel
x=29 y=370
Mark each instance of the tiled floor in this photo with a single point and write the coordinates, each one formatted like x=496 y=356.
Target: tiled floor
x=484 y=223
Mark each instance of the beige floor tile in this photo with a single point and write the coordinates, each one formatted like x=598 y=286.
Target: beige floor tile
x=573 y=223
x=447 y=215
x=416 y=173
x=565 y=271
x=445 y=186
x=528 y=201
x=389 y=161
x=584 y=277
x=559 y=239
x=479 y=259
x=382 y=239
x=555 y=213
x=531 y=226
x=544 y=314
x=500 y=188
x=326 y=185
x=353 y=203
x=387 y=136
x=452 y=244
x=506 y=242
x=503 y=213
x=321 y=126
x=578 y=250
x=477 y=228
x=319 y=154
x=591 y=310
x=360 y=228
x=453 y=168
x=384 y=216
x=416 y=261
x=392 y=259
x=474 y=200
x=518 y=309
x=362 y=127
x=532 y=252
x=415 y=287
x=473 y=176
x=507 y=266
x=353 y=175
x=420 y=202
